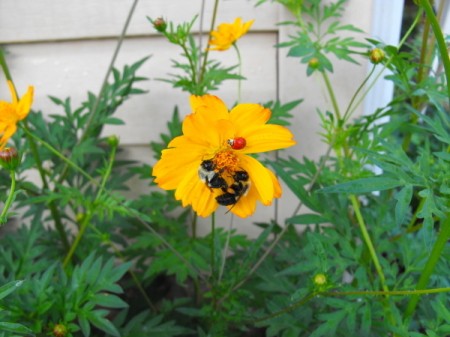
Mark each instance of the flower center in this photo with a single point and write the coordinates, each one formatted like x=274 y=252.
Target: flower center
x=226 y=160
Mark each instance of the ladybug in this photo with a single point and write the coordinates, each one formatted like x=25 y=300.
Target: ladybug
x=237 y=143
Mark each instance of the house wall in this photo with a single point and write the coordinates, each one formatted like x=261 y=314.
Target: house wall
x=63 y=48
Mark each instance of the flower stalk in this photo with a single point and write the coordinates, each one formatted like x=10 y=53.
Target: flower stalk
x=10 y=199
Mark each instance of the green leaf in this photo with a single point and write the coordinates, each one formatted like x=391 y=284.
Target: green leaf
x=108 y=301
x=9 y=288
x=99 y=321
x=306 y=219
x=364 y=185
x=15 y=328
x=403 y=198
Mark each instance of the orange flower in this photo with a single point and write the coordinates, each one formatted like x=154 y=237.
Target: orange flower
x=228 y=33
x=12 y=113
x=210 y=164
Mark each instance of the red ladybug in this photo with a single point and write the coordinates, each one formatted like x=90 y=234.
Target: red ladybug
x=237 y=143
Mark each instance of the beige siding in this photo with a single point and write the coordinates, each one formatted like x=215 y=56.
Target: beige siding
x=64 y=47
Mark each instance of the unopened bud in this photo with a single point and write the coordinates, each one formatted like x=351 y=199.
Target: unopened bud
x=113 y=140
x=9 y=158
x=376 y=55
x=320 y=279
x=160 y=25
x=60 y=330
x=314 y=63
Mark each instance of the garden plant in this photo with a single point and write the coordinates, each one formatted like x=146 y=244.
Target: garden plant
x=363 y=252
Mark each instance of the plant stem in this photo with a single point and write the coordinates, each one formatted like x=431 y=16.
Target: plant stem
x=225 y=249
x=213 y=243
x=368 y=241
x=10 y=198
x=442 y=46
x=240 y=70
x=373 y=255
x=330 y=90
x=205 y=58
x=347 y=113
x=90 y=213
x=191 y=63
x=427 y=271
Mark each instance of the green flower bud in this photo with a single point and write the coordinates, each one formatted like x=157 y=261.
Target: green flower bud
x=113 y=140
x=314 y=63
x=160 y=25
x=60 y=330
x=376 y=55
x=9 y=158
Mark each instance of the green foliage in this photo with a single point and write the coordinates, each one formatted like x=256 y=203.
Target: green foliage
x=319 y=37
x=368 y=232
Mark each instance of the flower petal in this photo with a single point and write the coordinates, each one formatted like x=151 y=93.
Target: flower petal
x=171 y=168
x=260 y=178
x=24 y=105
x=247 y=114
x=212 y=105
x=246 y=205
x=267 y=137
x=193 y=191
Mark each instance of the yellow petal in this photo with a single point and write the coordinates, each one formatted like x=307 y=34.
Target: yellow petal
x=12 y=90
x=260 y=178
x=211 y=105
x=170 y=169
x=193 y=191
x=24 y=105
x=246 y=205
x=267 y=137
x=248 y=115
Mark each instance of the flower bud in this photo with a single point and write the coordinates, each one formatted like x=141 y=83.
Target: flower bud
x=9 y=158
x=113 y=141
x=320 y=279
x=376 y=55
x=160 y=25
x=60 y=330
x=314 y=63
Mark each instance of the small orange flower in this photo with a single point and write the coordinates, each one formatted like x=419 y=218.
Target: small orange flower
x=210 y=164
x=12 y=113
x=228 y=33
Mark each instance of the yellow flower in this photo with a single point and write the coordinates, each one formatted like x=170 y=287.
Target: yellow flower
x=210 y=164
x=12 y=113
x=228 y=33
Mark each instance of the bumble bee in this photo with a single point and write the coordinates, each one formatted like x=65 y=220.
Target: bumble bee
x=210 y=176
x=238 y=188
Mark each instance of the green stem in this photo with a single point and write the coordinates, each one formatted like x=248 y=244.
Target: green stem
x=205 y=58
x=10 y=198
x=310 y=296
x=350 y=105
x=240 y=70
x=368 y=241
x=442 y=46
x=427 y=271
x=191 y=63
x=213 y=244
x=225 y=249
x=390 y=293
x=91 y=212
x=373 y=255
x=332 y=96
